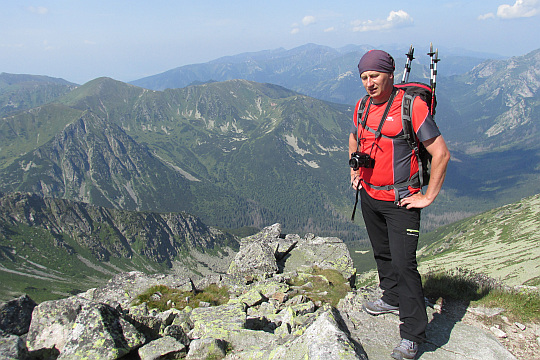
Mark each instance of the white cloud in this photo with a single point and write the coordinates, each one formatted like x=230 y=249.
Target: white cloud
x=38 y=10
x=520 y=9
x=486 y=16
x=330 y=29
x=395 y=19
x=295 y=31
x=308 y=20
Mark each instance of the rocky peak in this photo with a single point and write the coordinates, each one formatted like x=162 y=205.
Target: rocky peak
x=275 y=311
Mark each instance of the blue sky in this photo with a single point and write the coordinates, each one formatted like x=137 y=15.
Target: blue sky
x=81 y=40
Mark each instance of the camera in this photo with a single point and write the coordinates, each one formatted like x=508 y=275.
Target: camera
x=360 y=159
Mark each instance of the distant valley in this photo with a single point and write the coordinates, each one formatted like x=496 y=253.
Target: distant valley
x=53 y=248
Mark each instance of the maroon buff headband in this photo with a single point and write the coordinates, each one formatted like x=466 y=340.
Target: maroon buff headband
x=376 y=60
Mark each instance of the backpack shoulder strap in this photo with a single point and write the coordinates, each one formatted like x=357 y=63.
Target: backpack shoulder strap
x=410 y=135
x=406 y=118
x=359 y=111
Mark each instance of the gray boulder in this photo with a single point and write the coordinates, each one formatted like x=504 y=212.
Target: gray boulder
x=322 y=338
x=448 y=339
x=163 y=348
x=254 y=258
x=123 y=288
x=217 y=321
x=268 y=252
x=207 y=348
x=322 y=252
x=79 y=328
x=12 y=347
x=15 y=315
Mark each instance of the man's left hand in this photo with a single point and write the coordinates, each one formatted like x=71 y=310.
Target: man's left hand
x=418 y=201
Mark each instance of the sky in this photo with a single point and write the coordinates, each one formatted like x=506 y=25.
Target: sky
x=127 y=40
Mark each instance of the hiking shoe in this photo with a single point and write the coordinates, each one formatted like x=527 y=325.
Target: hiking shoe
x=406 y=349
x=378 y=307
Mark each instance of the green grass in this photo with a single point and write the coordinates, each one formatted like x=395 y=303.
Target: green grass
x=480 y=290
x=163 y=298
x=329 y=285
x=519 y=306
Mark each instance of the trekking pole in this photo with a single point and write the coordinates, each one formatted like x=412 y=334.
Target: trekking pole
x=434 y=55
x=407 y=70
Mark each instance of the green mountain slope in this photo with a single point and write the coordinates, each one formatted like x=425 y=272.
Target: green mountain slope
x=23 y=92
x=495 y=106
x=48 y=244
x=236 y=154
x=501 y=243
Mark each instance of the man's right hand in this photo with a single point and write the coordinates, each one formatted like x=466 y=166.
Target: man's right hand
x=355 y=181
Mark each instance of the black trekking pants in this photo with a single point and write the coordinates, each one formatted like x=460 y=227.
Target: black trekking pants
x=393 y=231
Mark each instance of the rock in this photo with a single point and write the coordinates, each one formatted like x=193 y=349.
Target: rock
x=266 y=318
x=448 y=339
x=176 y=332
x=247 y=341
x=322 y=252
x=206 y=281
x=251 y=298
x=323 y=339
x=481 y=310
x=123 y=288
x=498 y=332
x=520 y=326
x=15 y=315
x=12 y=347
x=217 y=321
x=207 y=348
x=76 y=327
x=255 y=257
x=163 y=348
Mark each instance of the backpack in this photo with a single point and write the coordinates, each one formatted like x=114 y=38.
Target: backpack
x=412 y=90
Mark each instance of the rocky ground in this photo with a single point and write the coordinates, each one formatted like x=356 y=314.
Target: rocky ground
x=274 y=312
x=521 y=339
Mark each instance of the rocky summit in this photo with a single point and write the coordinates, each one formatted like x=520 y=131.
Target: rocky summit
x=289 y=297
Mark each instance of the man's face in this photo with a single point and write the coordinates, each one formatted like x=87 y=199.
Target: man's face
x=378 y=85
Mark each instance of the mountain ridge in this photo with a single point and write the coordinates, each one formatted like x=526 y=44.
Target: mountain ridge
x=249 y=140
x=210 y=133
x=48 y=243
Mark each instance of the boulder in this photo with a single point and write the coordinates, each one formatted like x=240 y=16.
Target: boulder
x=15 y=315
x=254 y=257
x=79 y=328
x=217 y=321
x=322 y=338
x=163 y=348
x=123 y=288
x=322 y=252
x=12 y=347
x=207 y=348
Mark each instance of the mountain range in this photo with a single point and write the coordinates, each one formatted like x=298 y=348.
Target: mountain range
x=244 y=153
x=318 y=71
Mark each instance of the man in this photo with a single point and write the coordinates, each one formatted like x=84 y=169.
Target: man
x=392 y=215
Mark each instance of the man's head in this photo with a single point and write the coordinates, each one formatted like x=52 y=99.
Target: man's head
x=376 y=70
